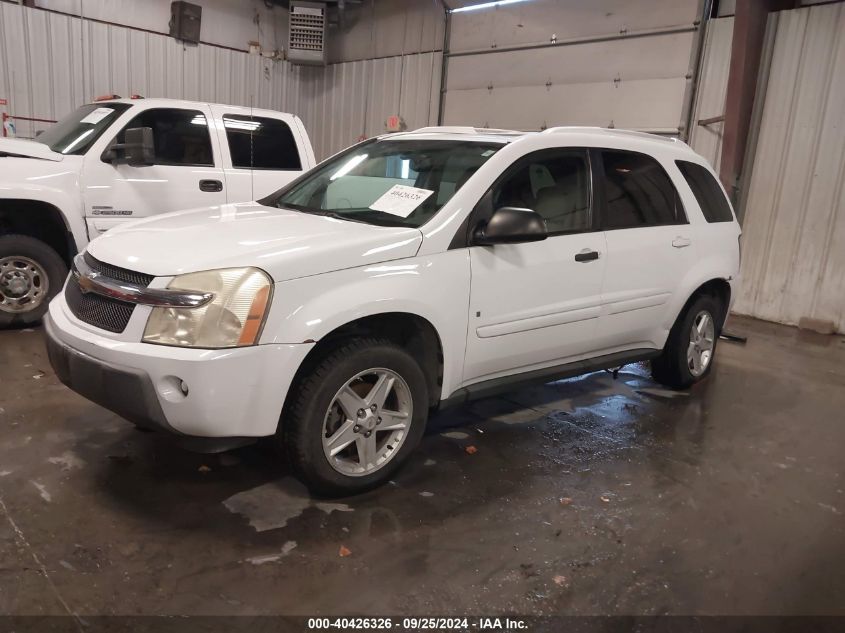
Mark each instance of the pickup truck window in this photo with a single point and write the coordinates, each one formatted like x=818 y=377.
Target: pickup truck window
x=388 y=182
x=75 y=133
x=261 y=143
x=180 y=136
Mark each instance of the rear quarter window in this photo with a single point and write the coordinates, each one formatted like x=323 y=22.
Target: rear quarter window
x=714 y=205
x=261 y=143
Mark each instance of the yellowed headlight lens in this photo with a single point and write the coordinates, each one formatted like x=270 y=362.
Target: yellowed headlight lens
x=233 y=318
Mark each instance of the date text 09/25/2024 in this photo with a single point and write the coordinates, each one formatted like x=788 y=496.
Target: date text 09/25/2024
x=493 y=624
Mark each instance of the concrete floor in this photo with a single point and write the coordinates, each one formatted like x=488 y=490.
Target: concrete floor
x=727 y=499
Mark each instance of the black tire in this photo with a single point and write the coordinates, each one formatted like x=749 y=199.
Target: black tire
x=301 y=426
x=48 y=260
x=671 y=368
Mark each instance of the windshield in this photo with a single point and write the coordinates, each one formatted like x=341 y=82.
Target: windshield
x=75 y=133
x=389 y=182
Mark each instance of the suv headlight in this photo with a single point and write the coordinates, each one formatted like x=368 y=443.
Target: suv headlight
x=234 y=317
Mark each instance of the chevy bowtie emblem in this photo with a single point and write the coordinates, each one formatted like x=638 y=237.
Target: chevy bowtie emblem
x=86 y=283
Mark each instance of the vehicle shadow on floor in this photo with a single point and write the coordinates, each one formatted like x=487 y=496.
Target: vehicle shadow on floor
x=580 y=421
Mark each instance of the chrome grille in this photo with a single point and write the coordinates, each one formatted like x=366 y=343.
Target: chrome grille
x=105 y=313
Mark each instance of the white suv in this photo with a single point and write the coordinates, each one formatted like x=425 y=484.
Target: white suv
x=406 y=273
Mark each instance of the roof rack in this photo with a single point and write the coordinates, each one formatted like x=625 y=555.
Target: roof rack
x=463 y=129
x=655 y=135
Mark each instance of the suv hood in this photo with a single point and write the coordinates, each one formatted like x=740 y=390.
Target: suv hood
x=286 y=244
x=27 y=149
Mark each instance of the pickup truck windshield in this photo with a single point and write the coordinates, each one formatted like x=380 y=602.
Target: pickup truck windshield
x=388 y=182
x=75 y=133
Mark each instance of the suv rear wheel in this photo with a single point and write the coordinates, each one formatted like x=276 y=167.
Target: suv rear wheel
x=691 y=345
x=355 y=417
x=31 y=274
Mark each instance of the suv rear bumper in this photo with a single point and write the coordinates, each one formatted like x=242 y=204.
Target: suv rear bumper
x=233 y=395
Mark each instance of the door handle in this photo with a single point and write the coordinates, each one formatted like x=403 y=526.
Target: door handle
x=211 y=186
x=586 y=255
x=681 y=242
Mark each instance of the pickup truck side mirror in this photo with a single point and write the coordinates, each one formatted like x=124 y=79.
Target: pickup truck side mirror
x=138 y=148
x=511 y=225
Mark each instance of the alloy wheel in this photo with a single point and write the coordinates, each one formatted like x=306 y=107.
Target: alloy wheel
x=367 y=422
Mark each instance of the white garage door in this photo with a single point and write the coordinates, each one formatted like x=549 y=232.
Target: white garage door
x=542 y=63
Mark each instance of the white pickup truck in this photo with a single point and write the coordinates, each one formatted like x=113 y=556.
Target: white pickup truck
x=117 y=160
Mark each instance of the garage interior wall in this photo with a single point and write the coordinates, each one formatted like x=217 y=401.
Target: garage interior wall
x=52 y=62
x=611 y=63
x=794 y=228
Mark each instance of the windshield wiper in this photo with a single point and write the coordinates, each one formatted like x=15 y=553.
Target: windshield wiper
x=320 y=212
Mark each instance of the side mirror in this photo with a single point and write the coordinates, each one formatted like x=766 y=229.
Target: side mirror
x=138 y=148
x=511 y=225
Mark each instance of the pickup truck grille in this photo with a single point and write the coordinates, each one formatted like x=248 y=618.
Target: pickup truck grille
x=104 y=312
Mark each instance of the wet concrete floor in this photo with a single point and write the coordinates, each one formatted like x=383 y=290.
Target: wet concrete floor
x=587 y=496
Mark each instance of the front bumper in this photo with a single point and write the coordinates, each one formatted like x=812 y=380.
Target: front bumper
x=232 y=394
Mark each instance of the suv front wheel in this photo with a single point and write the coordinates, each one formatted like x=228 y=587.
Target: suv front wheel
x=355 y=417
x=691 y=345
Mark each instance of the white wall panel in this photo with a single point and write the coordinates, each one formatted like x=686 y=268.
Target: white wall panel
x=581 y=62
x=224 y=22
x=536 y=22
x=51 y=63
x=605 y=104
x=374 y=28
x=712 y=89
x=387 y=28
x=794 y=231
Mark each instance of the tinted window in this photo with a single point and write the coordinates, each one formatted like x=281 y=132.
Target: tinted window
x=638 y=192
x=554 y=184
x=180 y=136
x=260 y=143
x=714 y=205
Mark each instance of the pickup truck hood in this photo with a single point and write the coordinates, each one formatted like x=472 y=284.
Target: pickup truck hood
x=27 y=149
x=286 y=244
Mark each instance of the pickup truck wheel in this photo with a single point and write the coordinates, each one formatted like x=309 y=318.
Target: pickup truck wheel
x=691 y=345
x=31 y=274
x=355 y=417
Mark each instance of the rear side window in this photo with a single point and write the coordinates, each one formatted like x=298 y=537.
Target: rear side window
x=260 y=143
x=638 y=192
x=714 y=205
x=180 y=136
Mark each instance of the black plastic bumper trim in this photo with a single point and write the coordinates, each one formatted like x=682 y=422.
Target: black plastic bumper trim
x=127 y=392
x=495 y=386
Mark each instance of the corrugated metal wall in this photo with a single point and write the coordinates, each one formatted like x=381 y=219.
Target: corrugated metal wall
x=224 y=22
x=794 y=231
x=581 y=62
x=51 y=63
x=712 y=88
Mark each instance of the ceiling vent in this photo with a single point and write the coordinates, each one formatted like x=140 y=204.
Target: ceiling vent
x=307 y=43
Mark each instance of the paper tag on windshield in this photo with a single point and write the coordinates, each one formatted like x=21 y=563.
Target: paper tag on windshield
x=97 y=115
x=401 y=200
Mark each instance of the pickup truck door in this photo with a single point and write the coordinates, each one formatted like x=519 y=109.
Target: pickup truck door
x=262 y=150
x=187 y=172
x=536 y=304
